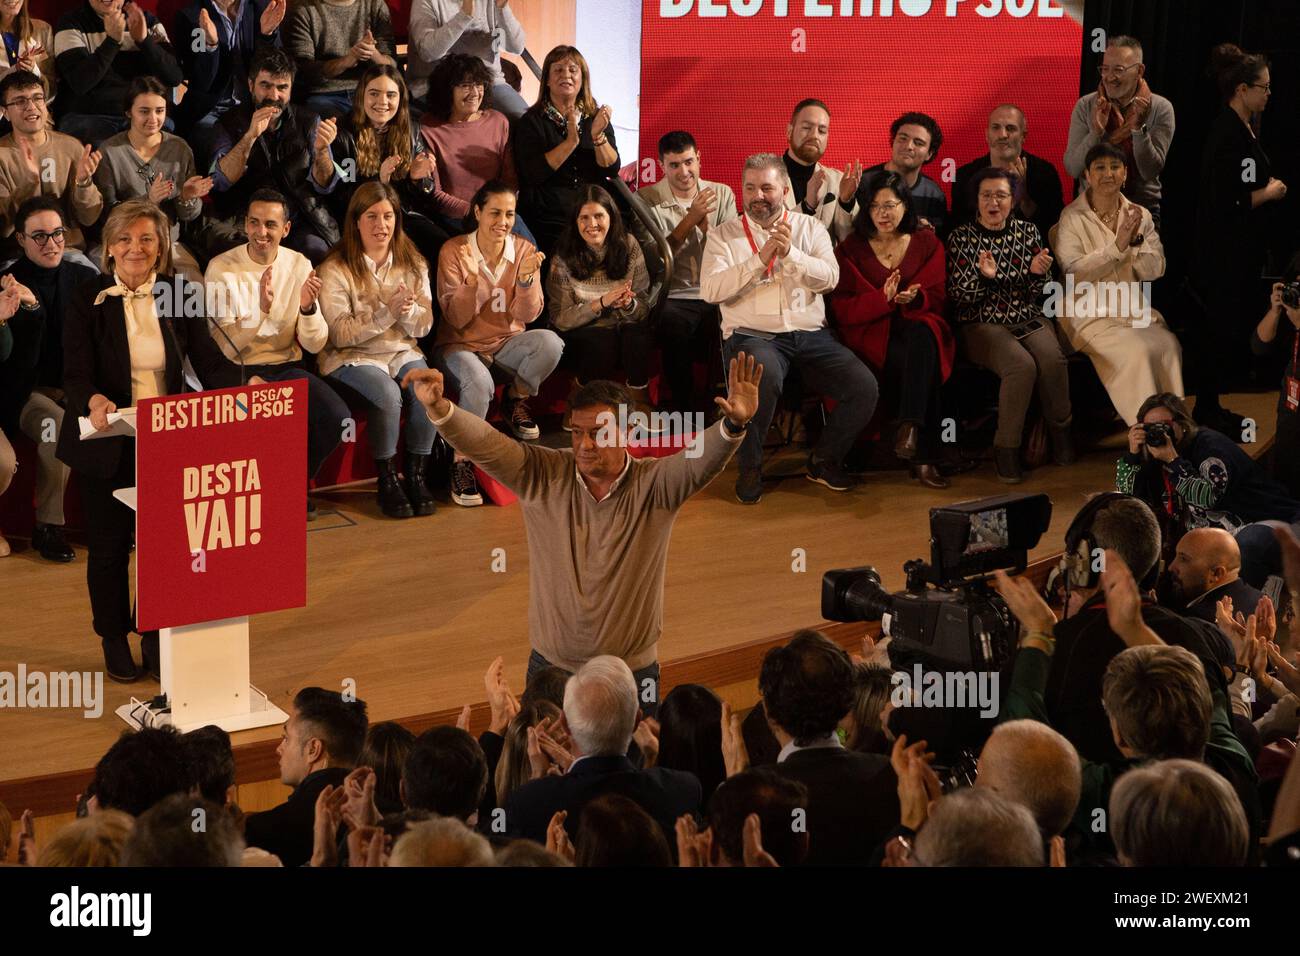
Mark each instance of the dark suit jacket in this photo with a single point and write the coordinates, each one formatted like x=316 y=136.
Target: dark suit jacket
x=97 y=360
x=287 y=830
x=1244 y=598
x=664 y=794
x=213 y=72
x=852 y=802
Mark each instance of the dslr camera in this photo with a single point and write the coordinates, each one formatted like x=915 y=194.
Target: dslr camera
x=1158 y=433
x=1291 y=295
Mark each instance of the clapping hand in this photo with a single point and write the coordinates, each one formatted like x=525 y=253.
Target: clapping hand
x=918 y=784
x=160 y=189
x=816 y=182
x=600 y=122
x=852 y=179
x=890 y=288
x=1041 y=263
x=310 y=292
x=735 y=755
x=503 y=703
x=1124 y=602
x=326 y=130
x=908 y=296
x=1028 y=606
x=272 y=16
x=530 y=264
x=365 y=48
x=988 y=266
x=87 y=165
x=557 y=838
x=1018 y=168
x=196 y=187
x=755 y=855
x=211 y=37
x=1130 y=221
x=359 y=808
x=421 y=166
x=27 y=61
x=11 y=286
x=694 y=846
x=136 y=24
x=265 y=294
x=1100 y=114
x=388 y=167
x=743 y=375
x=325 y=832
x=646 y=736
x=402 y=302
x=703 y=205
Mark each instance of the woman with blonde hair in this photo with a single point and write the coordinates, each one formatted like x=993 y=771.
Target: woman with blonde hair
x=95 y=840
x=377 y=302
x=125 y=339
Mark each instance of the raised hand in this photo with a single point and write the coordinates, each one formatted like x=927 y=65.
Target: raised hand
x=988 y=266
x=427 y=384
x=211 y=38
x=421 y=166
x=326 y=130
x=816 y=182
x=88 y=163
x=503 y=703
x=735 y=756
x=1123 y=602
x=1041 y=263
x=136 y=24
x=852 y=179
x=743 y=375
x=196 y=187
x=755 y=855
x=115 y=25
x=310 y=292
x=600 y=122
x=272 y=16
x=266 y=294
x=890 y=288
x=160 y=189
x=1033 y=613
x=530 y=264
x=557 y=838
x=388 y=167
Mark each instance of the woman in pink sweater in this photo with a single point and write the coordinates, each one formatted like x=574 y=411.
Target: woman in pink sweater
x=469 y=140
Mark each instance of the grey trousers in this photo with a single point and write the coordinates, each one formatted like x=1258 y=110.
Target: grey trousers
x=40 y=420
x=1020 y=364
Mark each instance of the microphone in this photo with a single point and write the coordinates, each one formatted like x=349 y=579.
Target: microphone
x=243 y=374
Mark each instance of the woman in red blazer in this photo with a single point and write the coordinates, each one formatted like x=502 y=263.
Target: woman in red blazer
x=889 y=308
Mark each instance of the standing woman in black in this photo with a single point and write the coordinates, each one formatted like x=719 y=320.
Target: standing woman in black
x=1237 y=194
x=119 y=347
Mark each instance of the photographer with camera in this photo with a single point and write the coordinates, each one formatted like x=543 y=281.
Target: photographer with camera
x=1196 y=477
x=1271 y=336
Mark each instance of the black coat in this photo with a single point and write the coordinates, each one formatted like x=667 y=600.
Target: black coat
x=288 y=830
x=664 y=794
x=1041 y=182
x=97 y=360
x=852 y=802
x=1244 y=598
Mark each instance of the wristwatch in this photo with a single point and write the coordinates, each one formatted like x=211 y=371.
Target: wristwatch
x=733 y=430
x=30 y=306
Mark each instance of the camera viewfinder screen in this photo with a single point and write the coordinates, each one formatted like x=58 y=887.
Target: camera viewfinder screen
x=988 y=532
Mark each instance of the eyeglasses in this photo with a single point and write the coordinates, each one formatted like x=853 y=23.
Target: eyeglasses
x=1266 y=87
x=36 y=99
x=884 y=206
x=41 y=238
x=1117 y=70
x=1000 y=196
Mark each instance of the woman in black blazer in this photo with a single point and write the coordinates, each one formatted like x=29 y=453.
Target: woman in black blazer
x=119 y=347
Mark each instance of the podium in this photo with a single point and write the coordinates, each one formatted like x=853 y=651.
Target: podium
x=220 y=504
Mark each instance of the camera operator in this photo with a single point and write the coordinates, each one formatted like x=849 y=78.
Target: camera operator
x=1196 y=477
x=1271 y=336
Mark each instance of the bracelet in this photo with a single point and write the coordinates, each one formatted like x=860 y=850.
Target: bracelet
x=600 y=142
x=302 y=311
x=30 y=306
x=85 y=185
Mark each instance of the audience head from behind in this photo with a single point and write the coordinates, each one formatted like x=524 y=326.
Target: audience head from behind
x=1031 y=764
x=547 y=684
x=387 y=746
x=866 y=725
x=808 y=130
x=1005 y=134
x=444 y=841
x=764 y=183
x=1205 y=558
x=976 y=826
x=690 y=735
x=680 y=159
x=324 y=731
x=594 y=413
x=1178 y=813
x=889 y=209
x=97 y=840
x=459 y=86
x=25 y=105
x=40 y=231
x=141 y=768
x=445 y=773
x=600 y=707
x=211 y=763
x=137 y=239
x=914 y=140
x=513 y=767
x=270 y=79
x=1158 y=702
x=492 y=213
x=614 y=831
x=1128 y=527
x=993 y=195
x=776 y=799
x=266 y=224
x=184 y=830
x=566 y=83
x=807 y=688
x=528 y=852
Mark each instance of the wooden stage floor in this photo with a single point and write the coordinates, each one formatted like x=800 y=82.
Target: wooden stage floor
x=413 y=612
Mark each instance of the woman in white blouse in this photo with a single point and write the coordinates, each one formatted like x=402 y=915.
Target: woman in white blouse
x=1110 y=253
x=377 y=302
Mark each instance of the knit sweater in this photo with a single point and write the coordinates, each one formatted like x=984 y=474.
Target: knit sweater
x=468 y=154
x=1014 y=295
x=122 y=174
x=95 y=70
x=232 y=281
x=317 y=31
x=17 y=184
x=473 y=316
x=595 y=569
x=440 y=27
x=362 y=328
x=569 y=298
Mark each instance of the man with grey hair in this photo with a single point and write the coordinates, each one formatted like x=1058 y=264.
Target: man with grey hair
x=1031 y=764
x=768 y=270
x=978 y=827
x=1038 y=194
x=600 y=711
x=1178 y=813
x=1125 y=113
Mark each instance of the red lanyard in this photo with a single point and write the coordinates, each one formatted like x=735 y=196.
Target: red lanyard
x=744 y=221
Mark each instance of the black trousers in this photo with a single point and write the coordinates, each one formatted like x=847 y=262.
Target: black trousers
x=911 y=373
x=616 y=352
x=325 y=410
x=1286 y=447
x=688 y=328
x=110 y=532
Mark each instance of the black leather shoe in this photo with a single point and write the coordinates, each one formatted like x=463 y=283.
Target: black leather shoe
x=1062 y=446
x=1008 y=465
x=150 y=655
x=908 y=439
x=119 y=665
x=392 y=499
x=49 y=541
x=749 y=487
x=929 y=476
x=417 y=492
x=829 y=474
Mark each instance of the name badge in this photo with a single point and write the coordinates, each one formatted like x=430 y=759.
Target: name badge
x=1292 y=393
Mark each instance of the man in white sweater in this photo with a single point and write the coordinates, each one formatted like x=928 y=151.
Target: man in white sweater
x=481 y=28
x=262 y=299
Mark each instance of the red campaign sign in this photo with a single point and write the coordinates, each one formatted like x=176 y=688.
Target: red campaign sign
x=730 y=74
x=221 y=519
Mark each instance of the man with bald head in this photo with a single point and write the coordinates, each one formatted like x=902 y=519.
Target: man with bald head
x=1031 y=764
x=1206 y=568
x=1038 y=195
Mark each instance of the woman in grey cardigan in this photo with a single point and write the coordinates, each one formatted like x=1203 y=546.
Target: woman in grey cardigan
x=145 y=162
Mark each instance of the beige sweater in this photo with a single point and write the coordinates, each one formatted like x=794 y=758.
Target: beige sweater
x=232 y=284
x=57 y=159
x=362 y=329
x=482 y=317
x=596 y=569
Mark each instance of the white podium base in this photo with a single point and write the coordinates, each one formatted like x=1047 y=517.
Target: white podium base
x=263 y=713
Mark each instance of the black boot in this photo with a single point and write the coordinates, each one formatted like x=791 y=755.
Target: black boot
x=118 y=662
x=392 y=499
x=416 y=490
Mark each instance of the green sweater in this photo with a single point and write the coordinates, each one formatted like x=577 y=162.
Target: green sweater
x=595 y=569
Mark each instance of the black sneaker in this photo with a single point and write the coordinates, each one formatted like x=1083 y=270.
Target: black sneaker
x=49 y=541
x=829 y=474
x=749 y=487
x=520 y=419
x=464 y=486
x=311 y=510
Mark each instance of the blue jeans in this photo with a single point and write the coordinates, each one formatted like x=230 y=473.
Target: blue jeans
x=647 y=682
x=827 y=367
x=1261 y=555
x=527 y=358
x=506 y=100
x=325 y=410
x=326 y=105
x=385 y=396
